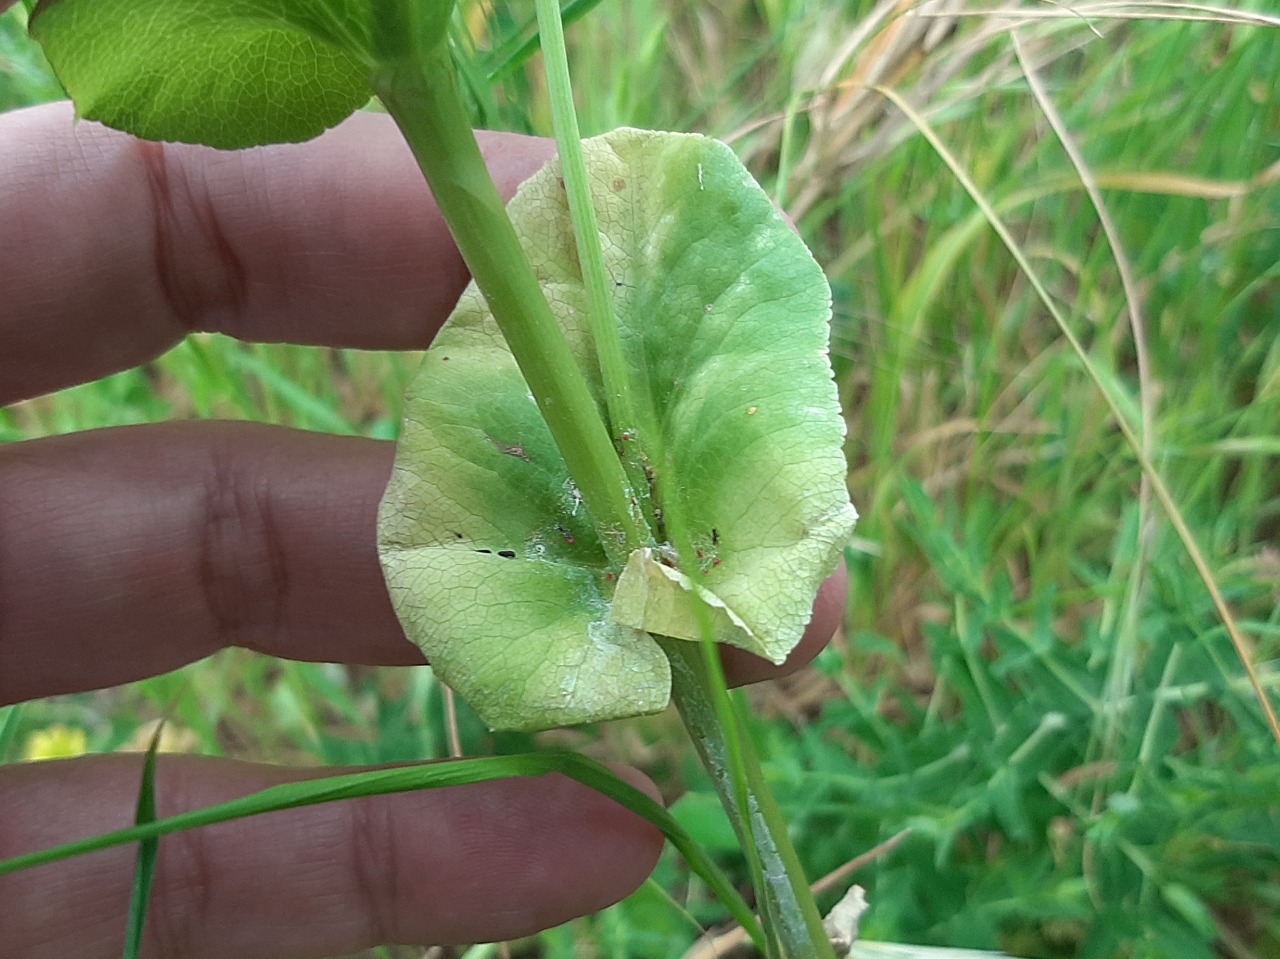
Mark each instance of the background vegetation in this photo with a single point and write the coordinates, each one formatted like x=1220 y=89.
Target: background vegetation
x=1032 y=679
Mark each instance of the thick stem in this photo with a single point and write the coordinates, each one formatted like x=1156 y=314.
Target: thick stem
x=421 y=94
x=792 y=916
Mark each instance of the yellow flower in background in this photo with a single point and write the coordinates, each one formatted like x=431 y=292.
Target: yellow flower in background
x=173 y=739
x=56 y=742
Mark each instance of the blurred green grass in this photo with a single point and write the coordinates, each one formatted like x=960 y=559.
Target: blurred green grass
x=1032 y=678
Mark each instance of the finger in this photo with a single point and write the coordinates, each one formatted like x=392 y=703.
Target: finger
x=132 y=551
x=463 y=864
x=113 y=248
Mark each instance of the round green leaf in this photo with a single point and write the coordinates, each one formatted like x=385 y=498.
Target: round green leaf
x=493 y=566
x=226 y=73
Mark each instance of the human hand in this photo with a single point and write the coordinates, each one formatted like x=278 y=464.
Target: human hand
x=128 y=552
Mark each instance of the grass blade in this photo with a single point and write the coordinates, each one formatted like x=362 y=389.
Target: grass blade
x=1239 y=641
x=513 y=52
x=8 y=729
x=148 y=849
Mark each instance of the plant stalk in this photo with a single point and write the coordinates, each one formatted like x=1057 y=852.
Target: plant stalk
x=421 y=93
x=418 y=86
x=595 y=280
x=790 y=915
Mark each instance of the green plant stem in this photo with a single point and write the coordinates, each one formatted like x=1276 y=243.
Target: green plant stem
x=586 y=232
x=791 y=916
x=421 y=93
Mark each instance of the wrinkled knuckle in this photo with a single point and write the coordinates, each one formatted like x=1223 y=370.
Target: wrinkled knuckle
x=199 y=273
x=374 y=870
x=242 y=568
x=178 y=917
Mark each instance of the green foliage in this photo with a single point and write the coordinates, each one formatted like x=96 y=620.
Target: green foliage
x=1002 y=779
x=232 y=74
x=1052 y=709
x=25 y=77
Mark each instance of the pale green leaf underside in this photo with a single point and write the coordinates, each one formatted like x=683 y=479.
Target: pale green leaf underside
x=492 y=562
x=229 y=74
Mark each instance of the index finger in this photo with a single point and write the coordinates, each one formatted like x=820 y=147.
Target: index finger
x=116 y=248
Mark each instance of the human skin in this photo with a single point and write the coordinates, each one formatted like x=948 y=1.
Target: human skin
x=128 y=552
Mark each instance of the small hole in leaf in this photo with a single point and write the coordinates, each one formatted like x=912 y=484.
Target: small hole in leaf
x=507 y=553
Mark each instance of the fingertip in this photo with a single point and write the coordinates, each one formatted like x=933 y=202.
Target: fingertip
x=742 y=668
x=526 y=855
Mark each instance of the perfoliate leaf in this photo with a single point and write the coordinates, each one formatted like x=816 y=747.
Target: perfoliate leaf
x=226 y=73
x=493 y=565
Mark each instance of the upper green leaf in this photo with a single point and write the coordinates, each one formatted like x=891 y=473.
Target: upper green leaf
x=226 y=73
x=493 y=565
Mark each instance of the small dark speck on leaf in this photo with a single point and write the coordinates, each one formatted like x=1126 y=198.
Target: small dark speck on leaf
x=489 y=551
x=511 y=449
x=458 y=535
x=507 y=553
